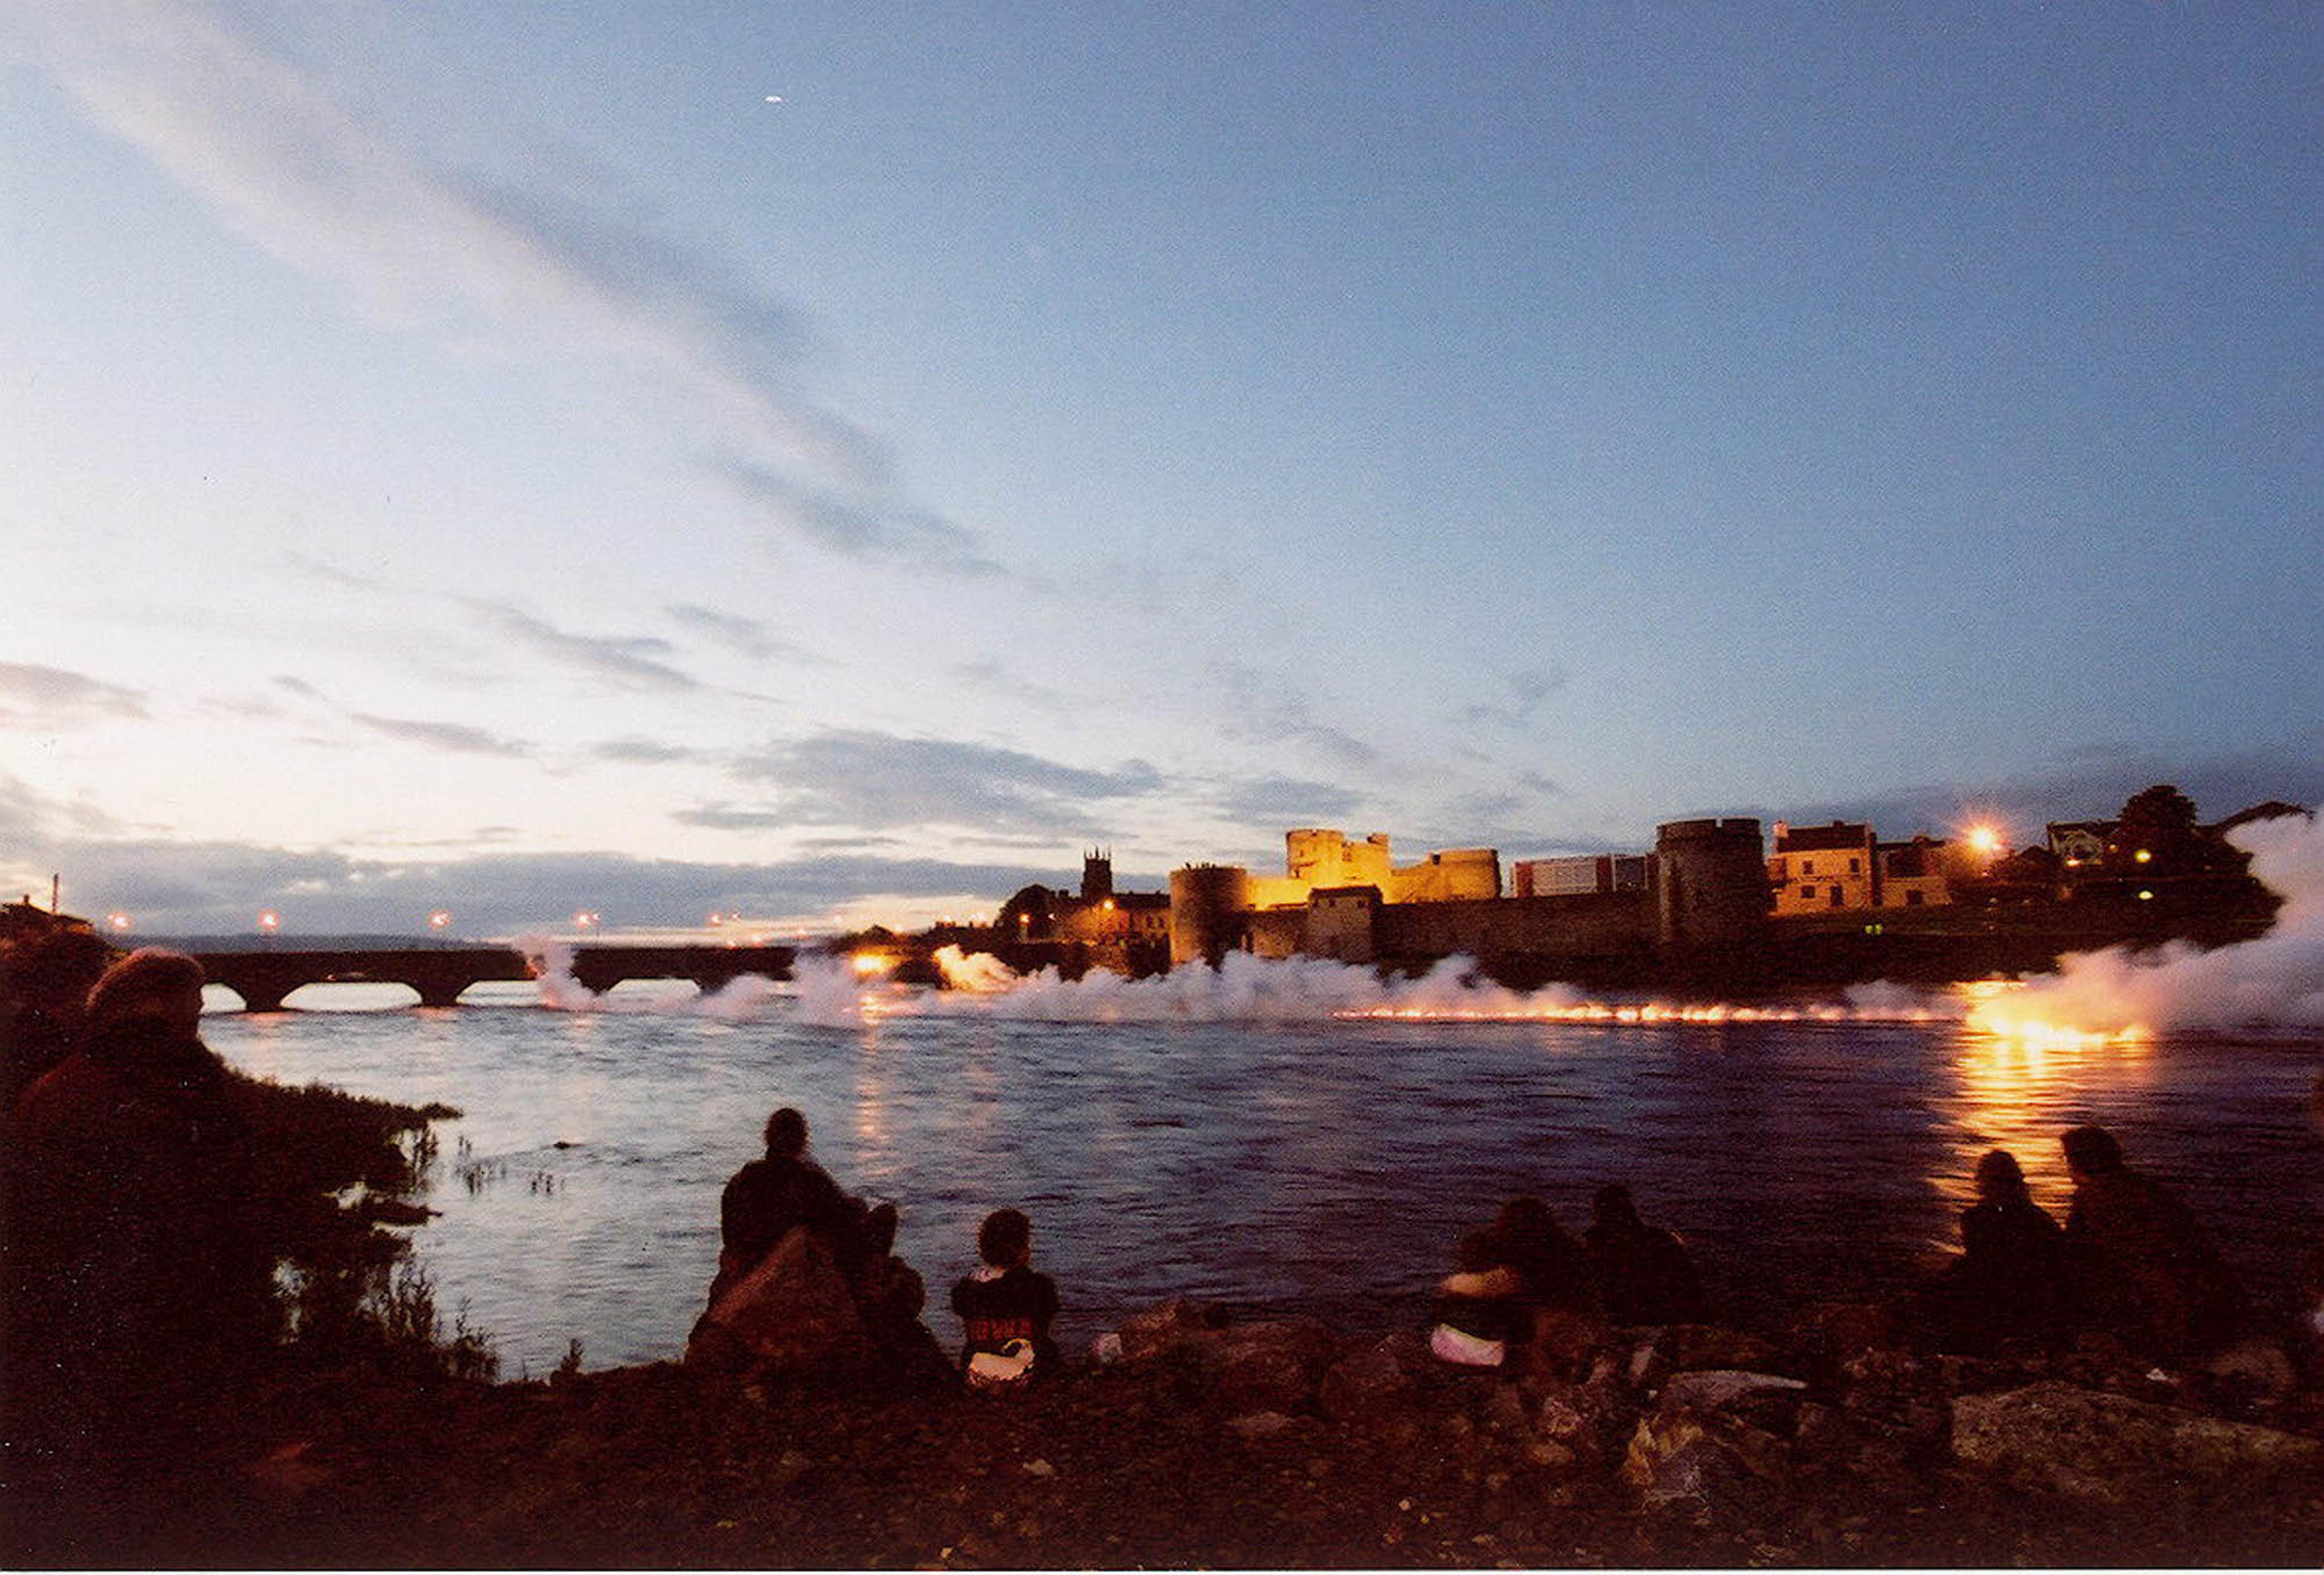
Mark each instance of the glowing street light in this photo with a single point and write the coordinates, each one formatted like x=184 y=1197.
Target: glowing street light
x=270 y=921
x=583 y=919
x=439 y=919
x=119 y=922
x=1984 y=841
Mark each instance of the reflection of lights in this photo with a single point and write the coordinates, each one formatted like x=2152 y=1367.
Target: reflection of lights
x=2145 y=896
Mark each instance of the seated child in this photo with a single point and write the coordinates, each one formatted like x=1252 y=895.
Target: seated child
x=1480 y=1310
x=1005 y=1306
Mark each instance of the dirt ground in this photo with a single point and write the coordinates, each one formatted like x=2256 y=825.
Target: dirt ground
x=1146 y=1464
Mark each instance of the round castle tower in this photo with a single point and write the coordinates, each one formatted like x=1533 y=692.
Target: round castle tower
x=1208 y=905
x=1711 y=885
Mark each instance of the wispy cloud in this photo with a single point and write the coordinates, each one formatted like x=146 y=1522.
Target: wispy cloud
x=450 y=737
x=646 y=751
x=994 y=678
x=877 y=780
x=1281 y=803
x=625 y=661
x=1262 y=709
x=747 y=636
x=1520 y=706
x=31 y=695
x=855 y=526
x=201 y=90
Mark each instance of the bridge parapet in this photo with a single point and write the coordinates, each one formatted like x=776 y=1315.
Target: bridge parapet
x=265 y=978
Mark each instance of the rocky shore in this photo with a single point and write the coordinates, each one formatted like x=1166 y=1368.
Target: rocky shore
x=1267 y=1444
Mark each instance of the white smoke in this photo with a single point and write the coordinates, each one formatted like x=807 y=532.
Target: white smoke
x=2274 y=980
x=552 y=969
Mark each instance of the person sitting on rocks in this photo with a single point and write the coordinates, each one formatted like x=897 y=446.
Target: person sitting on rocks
x=1643 y=1273
x=2013 y=1281
x=1482 y=1310
x=1005 y=1307
x=770 y=1197
x=2149 y=1267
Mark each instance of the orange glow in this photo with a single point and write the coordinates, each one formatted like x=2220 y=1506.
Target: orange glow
x=270 y=921
x=872 y=965
x=119 y=921
x=438 y=919
x=2002 y=1012
x=1984 y=841
x=584 y=919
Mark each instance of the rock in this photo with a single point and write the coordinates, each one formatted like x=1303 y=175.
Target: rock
x=790 y=1314
x=2081 y=1443
x=1563 y=1339
x=1274 y=1365
x=1712 y=1471
x=2258 y=1368
x=1718 y=1390
x=1260 y=1425
x=1366 y=1385
x=1158 y=1329
x=1698 y=1346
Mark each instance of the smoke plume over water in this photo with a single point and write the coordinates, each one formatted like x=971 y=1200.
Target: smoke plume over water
x=2275 y=981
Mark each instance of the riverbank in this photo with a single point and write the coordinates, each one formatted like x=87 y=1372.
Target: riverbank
x=1266 y=1445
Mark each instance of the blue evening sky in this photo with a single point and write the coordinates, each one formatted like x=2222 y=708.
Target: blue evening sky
x=833 y=458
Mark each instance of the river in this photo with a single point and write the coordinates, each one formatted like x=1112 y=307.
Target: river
x=1282 y=1155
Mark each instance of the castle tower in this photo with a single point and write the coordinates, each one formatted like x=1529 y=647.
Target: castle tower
x=1097 y=875
x=1210 y=906
x=1712 y=892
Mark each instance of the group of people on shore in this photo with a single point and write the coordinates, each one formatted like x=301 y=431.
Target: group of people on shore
x=2132 y=1260
x=132 y=1256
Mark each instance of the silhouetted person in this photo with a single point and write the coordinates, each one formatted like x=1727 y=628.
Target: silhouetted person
x=2151 y=1269
x=1553 y=1266
x=1482 y=1310
x=140 y=1262
x=2014 y=1280
x=1005 y=1307
x=45 y=978
x=1643 y=1273
x=767 y=1198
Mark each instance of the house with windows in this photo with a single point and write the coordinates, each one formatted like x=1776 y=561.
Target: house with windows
x=1815 y=869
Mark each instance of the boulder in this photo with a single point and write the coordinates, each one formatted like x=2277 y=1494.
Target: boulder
x=1711 y=1470
x=1159 y=1328
x=790 y=1314
x=1716 y=1390
x=1275 y=1365
x=2256 y=1368
x=1698 y=1345
x=2084 y=1445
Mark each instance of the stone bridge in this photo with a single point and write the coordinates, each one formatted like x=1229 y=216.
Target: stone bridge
x=264 y=976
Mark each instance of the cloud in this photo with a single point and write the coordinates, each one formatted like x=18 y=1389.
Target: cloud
x=993 y=679
x=1281 y=803
x=859 y=528
x=195 y=89
x=646 y=751
x=1528 y=691
x=31 y=695
x=1260 y=709
x=631 y=662
x=2086 y=783
x=722 y=818
x=747 y=636
x=217 y=889
x=876 y=780
x=451 y=737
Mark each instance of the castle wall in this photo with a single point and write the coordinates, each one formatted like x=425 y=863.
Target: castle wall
x=1607 y=925
x=1455 y=875
x=1712 y=891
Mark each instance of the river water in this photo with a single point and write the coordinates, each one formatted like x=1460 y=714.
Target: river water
x=1283 y=1156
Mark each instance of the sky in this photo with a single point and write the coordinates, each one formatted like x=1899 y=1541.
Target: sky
x=837 y=461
